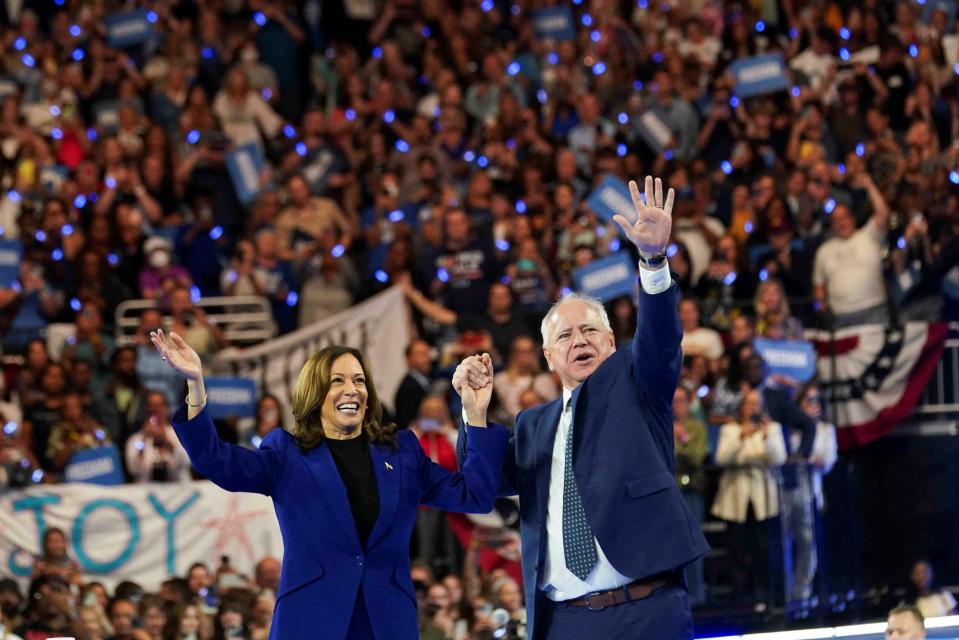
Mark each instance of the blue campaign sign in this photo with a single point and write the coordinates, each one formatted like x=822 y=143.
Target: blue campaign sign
x=11 y=254
x=759 y=74
x=652 y=128
x=244 y=164
x=317 y=171
x=793 y=358
x=555 y=23
x=607 y=278
x=228 y=397
x=96 y=466
x=610 y=197
x=128 y=28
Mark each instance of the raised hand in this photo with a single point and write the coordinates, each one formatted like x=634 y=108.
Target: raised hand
x=654 y=220
x=473 y=381
x=178 y=354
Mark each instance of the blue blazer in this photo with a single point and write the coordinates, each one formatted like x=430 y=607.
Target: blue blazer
x=323 y=562
x=622 y=459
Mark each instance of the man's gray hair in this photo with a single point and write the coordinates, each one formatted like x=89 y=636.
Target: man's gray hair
x=595 y=305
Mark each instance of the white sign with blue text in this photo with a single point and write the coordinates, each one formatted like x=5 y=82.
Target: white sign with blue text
x=607 y=278
x=759 y=75
x=142 y=532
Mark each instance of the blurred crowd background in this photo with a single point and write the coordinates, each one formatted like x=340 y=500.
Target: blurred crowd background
x=448 y=149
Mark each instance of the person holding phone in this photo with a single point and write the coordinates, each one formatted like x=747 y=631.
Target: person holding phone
x=154 y=454
x=346 y=488
x=747 y=498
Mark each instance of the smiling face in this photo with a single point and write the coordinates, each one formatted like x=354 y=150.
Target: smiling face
x=345 y=404
x=577 y=342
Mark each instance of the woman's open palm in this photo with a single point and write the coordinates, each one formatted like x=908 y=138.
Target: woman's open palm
x=178 y=354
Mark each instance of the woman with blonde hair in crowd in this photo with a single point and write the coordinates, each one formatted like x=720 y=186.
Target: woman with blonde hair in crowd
x=772 y=310
x=92 y=623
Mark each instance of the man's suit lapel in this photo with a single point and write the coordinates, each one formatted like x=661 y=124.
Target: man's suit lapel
x=320 y=463
x=386 y=468
x=545 y=436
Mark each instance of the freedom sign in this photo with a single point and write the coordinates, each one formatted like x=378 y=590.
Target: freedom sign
x=244 y=165
x=654 y=131
x=759 y=74
x=610 y=197
x=554 y=23
x=607 y=278
x=228 y=397
x=11 y=254
x=793 y=358
x=128 y=28
x=96 y=466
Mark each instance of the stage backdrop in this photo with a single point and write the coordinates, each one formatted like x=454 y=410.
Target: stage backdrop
x=139 y=532
x=378 y=327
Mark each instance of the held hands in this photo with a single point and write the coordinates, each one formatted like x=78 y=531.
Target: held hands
x=473 y=381
x=178 y=355
x=654 y=220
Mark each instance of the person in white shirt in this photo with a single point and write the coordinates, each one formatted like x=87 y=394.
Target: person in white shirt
x=748 y=495
x=697 y=340
x=154 y=454
x=931 y=600
x=847 y=274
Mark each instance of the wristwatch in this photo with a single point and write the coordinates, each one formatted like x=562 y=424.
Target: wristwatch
x=653 y=261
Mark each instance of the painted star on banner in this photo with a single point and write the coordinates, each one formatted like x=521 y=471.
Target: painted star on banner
x=232 y=526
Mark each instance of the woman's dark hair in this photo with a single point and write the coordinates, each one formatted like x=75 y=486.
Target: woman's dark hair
x=312 y=386
x=736 y=370
x=265 y=397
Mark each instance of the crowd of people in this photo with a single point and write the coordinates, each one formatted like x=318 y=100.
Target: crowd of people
x=450 y=149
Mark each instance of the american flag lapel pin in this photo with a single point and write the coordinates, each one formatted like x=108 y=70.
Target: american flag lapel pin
x=388 y=465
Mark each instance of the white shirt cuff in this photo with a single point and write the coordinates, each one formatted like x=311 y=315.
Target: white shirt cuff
x=655 y=281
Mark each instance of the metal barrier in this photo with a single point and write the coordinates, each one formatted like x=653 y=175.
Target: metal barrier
x=942 y=394
x=244 y=320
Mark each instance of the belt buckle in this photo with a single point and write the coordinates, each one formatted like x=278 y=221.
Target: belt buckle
x=589 y=606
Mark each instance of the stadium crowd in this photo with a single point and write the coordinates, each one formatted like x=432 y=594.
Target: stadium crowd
x=448 y=148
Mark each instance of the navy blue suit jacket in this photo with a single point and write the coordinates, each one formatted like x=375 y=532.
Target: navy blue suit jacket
x=622 y=459
x=323 y=562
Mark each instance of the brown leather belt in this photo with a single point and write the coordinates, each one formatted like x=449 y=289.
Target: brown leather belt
x=633 y=591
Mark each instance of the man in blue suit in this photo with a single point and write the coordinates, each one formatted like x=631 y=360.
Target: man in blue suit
x=605 y=531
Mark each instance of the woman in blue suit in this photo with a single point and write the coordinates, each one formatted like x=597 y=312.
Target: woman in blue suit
x=346 y=490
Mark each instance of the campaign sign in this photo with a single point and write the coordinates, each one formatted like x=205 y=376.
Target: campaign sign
x=128 y=28
x=607 y=278
x=96 y=466
x=610 y=197
x=107 y=115
x=11 y=254
x=948 y=7
x=318 y=171
x=228 y=397
x=654 y=131
x=555 y=23
x=244 y=165
x=793 y=358
x=759 y=74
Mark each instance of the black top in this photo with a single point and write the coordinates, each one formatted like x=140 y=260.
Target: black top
x=352 y=458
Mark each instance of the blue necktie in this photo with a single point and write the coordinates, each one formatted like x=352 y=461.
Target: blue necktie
x=578 y=547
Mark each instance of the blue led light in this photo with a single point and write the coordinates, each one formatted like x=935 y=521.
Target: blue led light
x=381 y=275
x=668 y=155
x=113 y=259
x=795 y=91
x=469 y=156
x=844 y=54
x=37 y=475
x=20 y=43
x=28 y=60
x=350 y=114
x=195 y=294
x=66 y=230
x=78 y=54
x=901 y=242
x=841 y=168
x=256 y=441
x=291 y=299
x=442 y=275
x=829 y=206
x=151 y=17
x=389 y=116
x=730 y=278
x=111 y=182
x=702 y=391
x=621 y=149
x=502 y=245
x=75 y=304
x=300 y=149
x=397 y=215
x=658 y=57
x=586 y=19
x=637 y=85
x=75 y=30
x=726 y=167
x=552 y=58
x=259 y=18
x=57 y=255
x=193 y=137
x=600 y=232
x=565 y=292
x=622 y=117
x=402 y=146
x=760 y=26
x=80 y=201
x=377 y=53
x=913 y=51
x=216 y=233
x=671 y=250
x=10 y=428
x=56 y=133
x=482 y=161
x=542 y=96
x=595 y=35
x=337 y=251
x=734 y=101
x=426 y=32
x=40 y=235
x=231 y=276
x=844 y=33
x=954 y=177
x=599 y=68
x=860 y=149
x=748 y=227
x=614 y=244
x=486 y=6
x=520 y=207
x=91 y=134
x=208 y=53
x=289 y=131
x=513 y=68
x=763 y=275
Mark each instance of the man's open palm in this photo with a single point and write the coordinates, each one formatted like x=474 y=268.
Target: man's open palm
x=654 y=219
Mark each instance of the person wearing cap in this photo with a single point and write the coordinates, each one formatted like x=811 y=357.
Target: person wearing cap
x=158 y=278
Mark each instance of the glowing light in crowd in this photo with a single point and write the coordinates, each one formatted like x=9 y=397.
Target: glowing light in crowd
x=397 y=215
x=337 y=251
x=621 y=150
x=195 y=294
x=913 y=51
x=502 y=245
x=486 y=6
x=193 y=137
x=763 y=275
x=289 y=131
x=259 y=18
x=113 y=259
x=844 y=33
x=216 y=233
x=10 y=428
x=760 y=26
x=520 y=207
x=151 y=16
x=300 y=149
x=56 y=133
x=829 y=206
x=377 y=52
x=20 y=43
x=482 y=161
x=795 y=92
x=901 y=242
x=292 y=299
x=350 y=114
x=844 y=54
x=668 y=155
x=80 y=201
x=552 y=58
x=469 y=156
x=599 y=68
x=595 y=35
x=381 y=276
x=28 y=60
x=443 y=275
x=75 y=304
x=542 y=96
x=671 y=250
x=703 y=391
x=730 y=278
x=208 y=53
x=614 y=244
x=860 y=149
x=954 y=177
x=40 y=236
x=586 y=19
x=622 y=117
x=92 y=134
x=402 y=146
x=389 y=116
x=513 y=68
x=57 y=255
x=734 y=101
x=78 y=54
x=75 y=30
x=726 y=167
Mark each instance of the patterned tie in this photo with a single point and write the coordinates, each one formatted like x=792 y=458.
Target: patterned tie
x=578 y=547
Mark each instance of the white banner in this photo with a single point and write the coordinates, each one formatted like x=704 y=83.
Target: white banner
x=139 y=532
x=378 y=327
